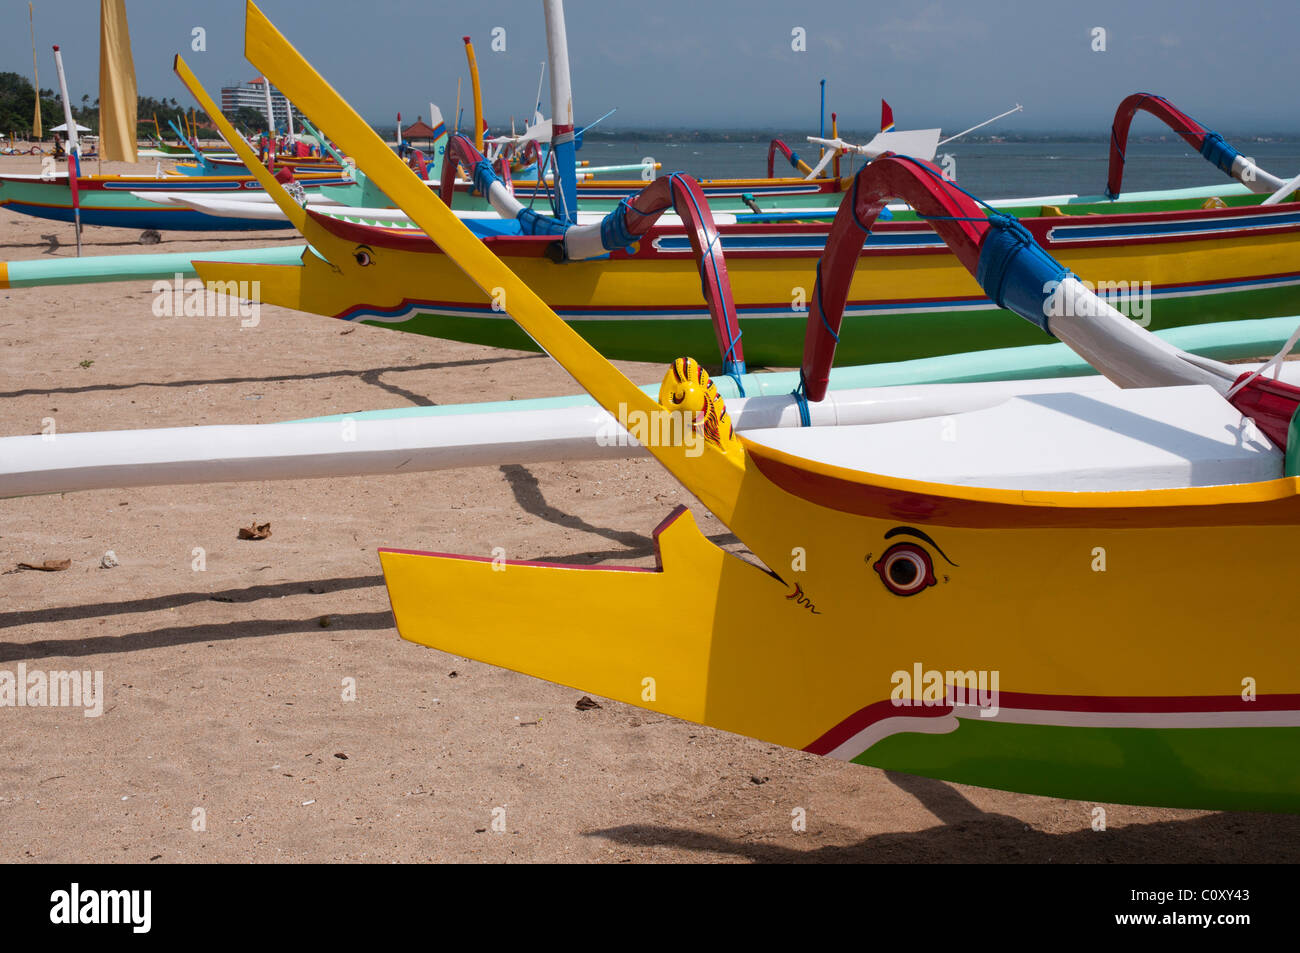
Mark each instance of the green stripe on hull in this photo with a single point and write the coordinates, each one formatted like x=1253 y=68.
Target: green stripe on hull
x=864 y=339
x=1231 y=769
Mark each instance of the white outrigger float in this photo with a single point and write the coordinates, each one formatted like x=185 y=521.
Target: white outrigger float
x=416 y=439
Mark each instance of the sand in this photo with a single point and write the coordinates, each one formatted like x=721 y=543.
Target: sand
x=224 y=687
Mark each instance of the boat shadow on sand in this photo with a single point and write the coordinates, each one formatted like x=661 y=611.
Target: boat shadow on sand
x=968 y=834
x=528 y=495
x=369 y=376
x=11 y=651
x=527 y=490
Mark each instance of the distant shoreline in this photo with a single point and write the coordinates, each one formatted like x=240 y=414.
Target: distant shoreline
x=763 y=136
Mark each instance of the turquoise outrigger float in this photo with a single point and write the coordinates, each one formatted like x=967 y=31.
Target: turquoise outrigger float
x=417 y=439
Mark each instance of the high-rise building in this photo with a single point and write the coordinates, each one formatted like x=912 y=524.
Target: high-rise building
x=252 y=95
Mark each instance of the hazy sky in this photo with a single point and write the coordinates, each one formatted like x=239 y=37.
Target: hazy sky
x=730 y=63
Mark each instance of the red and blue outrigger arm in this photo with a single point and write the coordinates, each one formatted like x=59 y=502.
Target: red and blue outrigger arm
x=634 y=217
x=1017 y=274
x=956 y=217
x=1212 y=146
x=461 y=151
x=627 y=224
x=790 y=155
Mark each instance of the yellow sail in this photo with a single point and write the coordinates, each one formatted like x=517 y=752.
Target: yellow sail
x=37 y=132
x=117 y=96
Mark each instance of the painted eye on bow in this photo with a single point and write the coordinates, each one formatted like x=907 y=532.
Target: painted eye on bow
x=905 y=569
x=363 y=257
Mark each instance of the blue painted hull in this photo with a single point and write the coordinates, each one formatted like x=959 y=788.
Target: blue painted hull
x=162 y=219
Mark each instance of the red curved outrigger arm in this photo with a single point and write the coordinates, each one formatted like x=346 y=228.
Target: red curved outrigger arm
x=1193 y=132
x=888 y=177
x=536 y=150
x=679 y=192
x=461 y=151
x=964 y=227
x=684 y=195
x=503 y=170
x=791 y=156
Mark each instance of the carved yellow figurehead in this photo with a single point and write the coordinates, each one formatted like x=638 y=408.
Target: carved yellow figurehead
x=688 y=389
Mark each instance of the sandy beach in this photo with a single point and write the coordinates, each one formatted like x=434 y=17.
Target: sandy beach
x=225 y=734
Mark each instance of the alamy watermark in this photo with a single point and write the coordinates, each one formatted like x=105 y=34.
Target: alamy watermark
x=928 y=688
x=133 y=908
x=1078 y=298
x=53 y=689
x=216 y=299
x=657 y=428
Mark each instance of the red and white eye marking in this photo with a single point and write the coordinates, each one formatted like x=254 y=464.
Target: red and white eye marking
x=905 y=569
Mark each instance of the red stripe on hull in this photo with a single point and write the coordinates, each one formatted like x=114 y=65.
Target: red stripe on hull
x=1023 y=701
x=863 y=498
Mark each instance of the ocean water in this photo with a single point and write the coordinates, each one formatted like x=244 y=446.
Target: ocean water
x=988 y=169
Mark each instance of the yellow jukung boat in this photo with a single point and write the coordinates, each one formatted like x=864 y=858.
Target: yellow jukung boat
x=910 y=298
x=1084 y=630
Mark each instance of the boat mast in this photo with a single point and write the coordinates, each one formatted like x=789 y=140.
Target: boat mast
x=562 y=144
